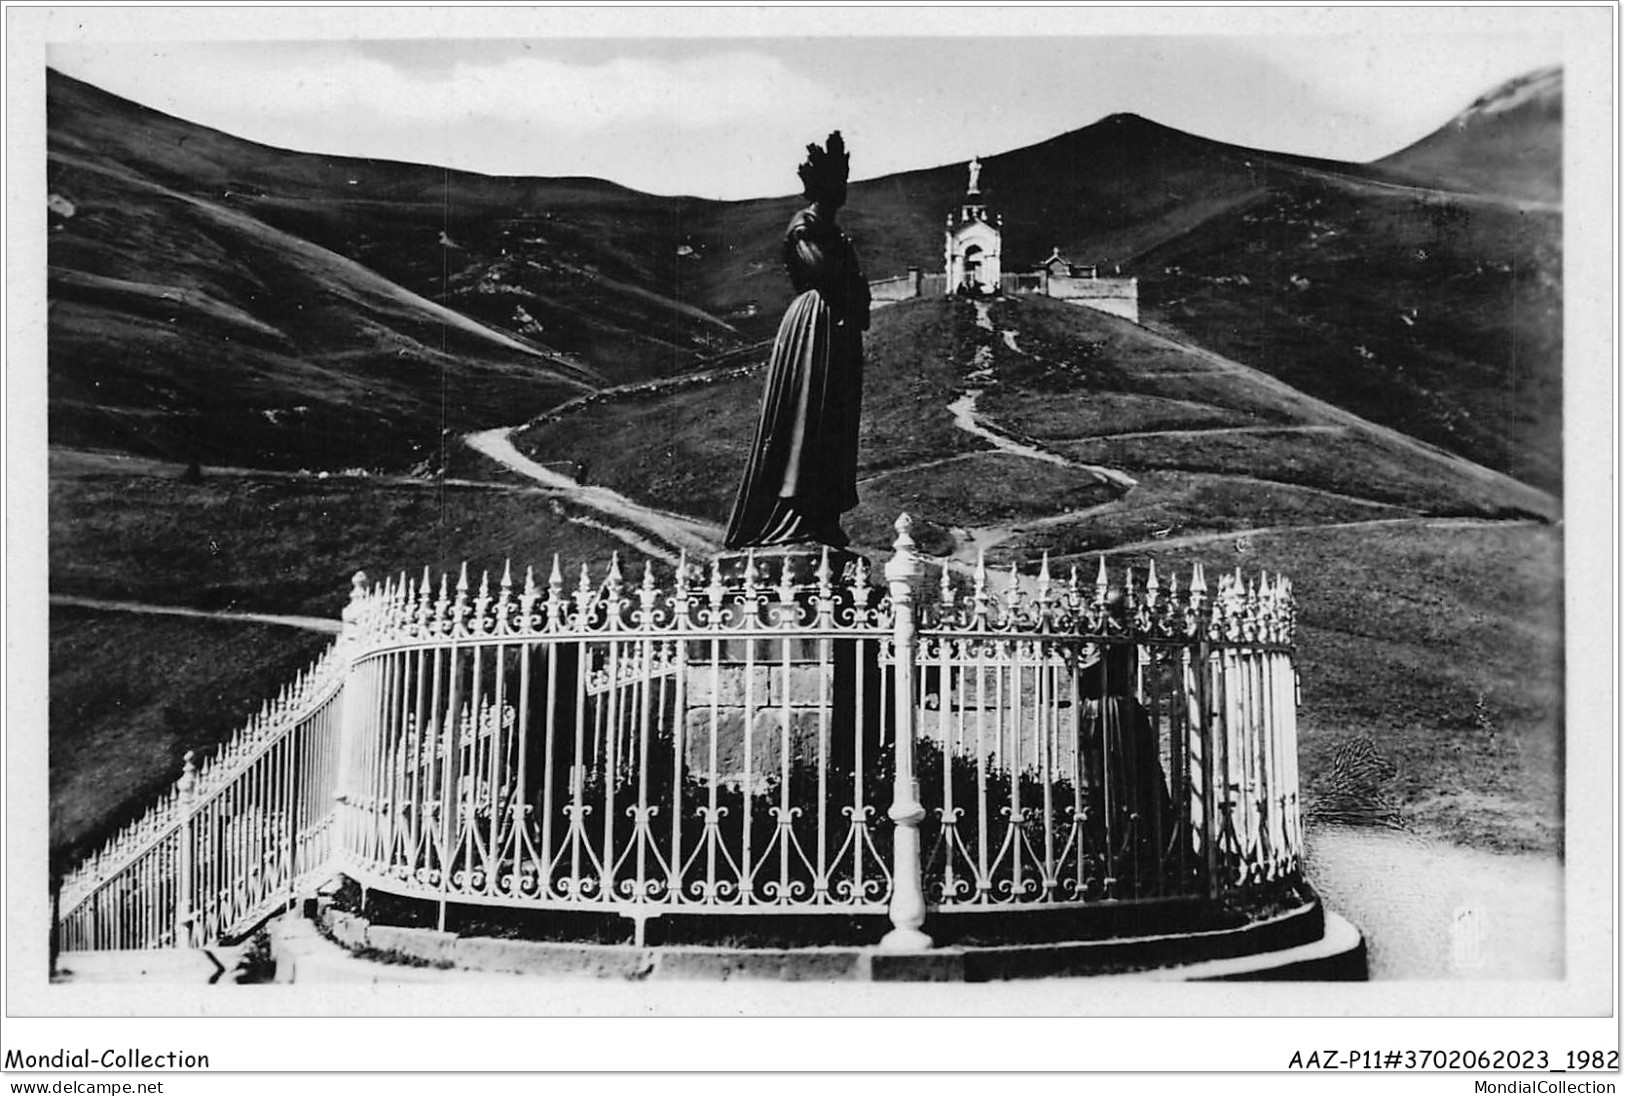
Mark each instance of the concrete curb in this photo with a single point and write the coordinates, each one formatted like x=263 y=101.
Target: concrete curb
x=1338 y=954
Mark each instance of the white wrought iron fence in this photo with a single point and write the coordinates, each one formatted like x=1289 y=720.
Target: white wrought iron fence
x=232 y=841
x=780 y=738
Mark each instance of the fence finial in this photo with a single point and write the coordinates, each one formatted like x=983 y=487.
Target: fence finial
x=425 y=595
x=459 y=608
x=905 y=540
x=351 y=616
x=527 y=598
x=787 y=586
x=443 y=602
x=483 y=601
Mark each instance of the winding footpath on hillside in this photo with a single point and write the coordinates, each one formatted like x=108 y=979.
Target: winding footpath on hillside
x=307 y=623
x=666 y=535
x=655 y=532
x=971 y=543
x=968 y=419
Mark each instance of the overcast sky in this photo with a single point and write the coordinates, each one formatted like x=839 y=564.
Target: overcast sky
x=721 y=107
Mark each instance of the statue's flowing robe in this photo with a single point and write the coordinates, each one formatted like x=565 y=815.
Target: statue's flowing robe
x=801 y=475
x=1132 y=821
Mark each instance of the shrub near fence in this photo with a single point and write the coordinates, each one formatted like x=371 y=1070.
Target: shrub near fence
x=778 y=742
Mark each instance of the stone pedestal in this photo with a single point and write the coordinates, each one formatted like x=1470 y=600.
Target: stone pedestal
x=782 y=689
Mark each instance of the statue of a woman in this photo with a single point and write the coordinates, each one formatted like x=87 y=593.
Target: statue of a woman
x=802 y=471
x=1130 y=814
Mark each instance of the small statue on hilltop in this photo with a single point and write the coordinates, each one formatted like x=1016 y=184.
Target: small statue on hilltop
x=801 y=475
x=975 y=176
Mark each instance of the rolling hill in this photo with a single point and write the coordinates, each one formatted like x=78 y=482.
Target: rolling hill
x=1415 y=291
x=1508 y=142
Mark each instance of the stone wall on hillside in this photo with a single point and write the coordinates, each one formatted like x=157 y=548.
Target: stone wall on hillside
x=1118 y=296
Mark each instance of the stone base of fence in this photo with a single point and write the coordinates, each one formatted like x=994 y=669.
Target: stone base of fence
x=1304 y=942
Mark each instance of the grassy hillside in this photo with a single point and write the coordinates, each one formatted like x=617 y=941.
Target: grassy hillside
x=1439 y=317
x=1210 y=449
x=275 y=544
x=183 y=329
x=1431 y=655
x=580 y=266
x=1509 y=142
x=130 y=693
x=197 y=300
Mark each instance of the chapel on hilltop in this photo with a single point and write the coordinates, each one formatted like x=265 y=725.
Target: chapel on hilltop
x=972 y=243
x=973 y=266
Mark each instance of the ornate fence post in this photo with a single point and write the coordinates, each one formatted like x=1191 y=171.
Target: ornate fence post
x=346 y=819
x=907 y=910
x=183 y=852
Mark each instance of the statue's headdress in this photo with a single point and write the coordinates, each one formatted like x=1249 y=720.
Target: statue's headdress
x=825 y=170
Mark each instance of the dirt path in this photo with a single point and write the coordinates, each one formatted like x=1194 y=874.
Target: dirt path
x=920 y=466
x=658 y=533
x=309 y=624
x=92 y=461
x=1383 y=186
x=1431 y=910
x=967 y=418
x=726 y=367
x=1266 y=530
x=1207 y=431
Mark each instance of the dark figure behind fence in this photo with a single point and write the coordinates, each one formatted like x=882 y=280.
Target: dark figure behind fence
x=1131 y=816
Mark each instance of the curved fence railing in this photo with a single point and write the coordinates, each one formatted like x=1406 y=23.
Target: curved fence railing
x=771 y=734
x=1090 y=748
x=710 y=745
x=233 y=840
